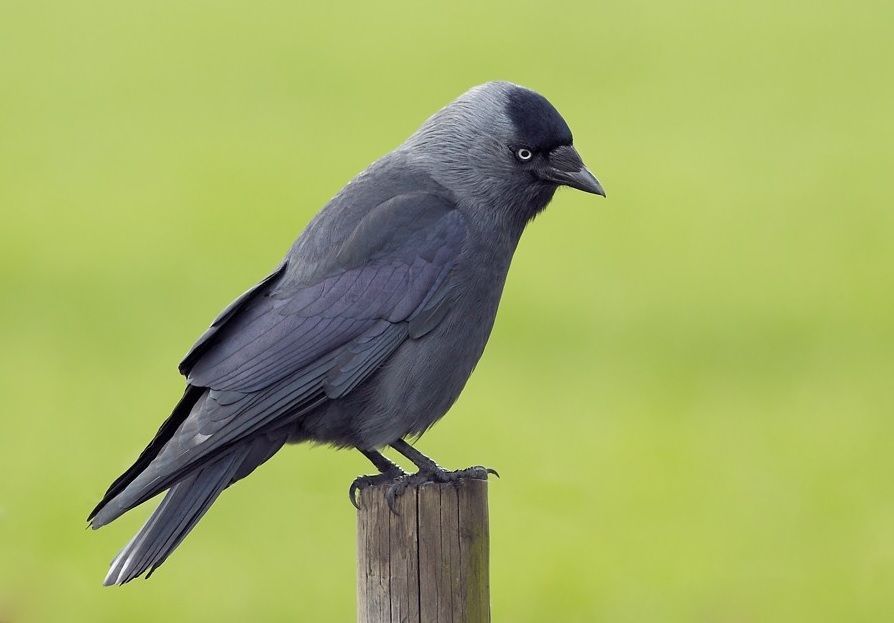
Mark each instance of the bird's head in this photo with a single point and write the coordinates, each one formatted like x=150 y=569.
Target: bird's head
x=503 y=144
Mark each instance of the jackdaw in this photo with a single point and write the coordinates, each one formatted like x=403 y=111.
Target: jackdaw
x=368 y=330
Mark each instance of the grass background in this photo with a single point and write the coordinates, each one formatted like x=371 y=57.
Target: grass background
x=690 y=388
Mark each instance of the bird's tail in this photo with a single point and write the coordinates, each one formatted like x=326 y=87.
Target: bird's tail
x=182 y=507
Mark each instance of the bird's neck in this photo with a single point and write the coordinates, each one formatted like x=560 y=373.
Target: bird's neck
x=511 y=208
x=504 y=204
x=497 y=224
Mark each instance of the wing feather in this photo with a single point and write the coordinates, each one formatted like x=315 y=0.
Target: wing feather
x=288 y=345
x=287 y=328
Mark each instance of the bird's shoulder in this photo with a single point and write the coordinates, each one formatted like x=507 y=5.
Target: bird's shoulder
x=388 y=263
x=392 y=208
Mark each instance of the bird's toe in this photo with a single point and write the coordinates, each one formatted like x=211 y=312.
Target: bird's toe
x=399 y=483
x=362 y=482
x=476 y=472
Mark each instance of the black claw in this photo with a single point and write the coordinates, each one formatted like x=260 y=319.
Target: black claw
x=398 y=482
x=362 y=482
x=476 y=472
x=355 y=488
x=401 y=484
x=391 y=498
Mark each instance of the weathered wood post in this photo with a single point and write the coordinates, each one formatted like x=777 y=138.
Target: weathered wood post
x=428 y=563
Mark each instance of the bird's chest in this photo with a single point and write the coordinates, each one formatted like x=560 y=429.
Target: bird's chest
x=425 y=376
x=437 y=366
x=474 y=310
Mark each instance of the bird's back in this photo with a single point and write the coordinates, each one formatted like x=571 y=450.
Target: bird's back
x=314 y=252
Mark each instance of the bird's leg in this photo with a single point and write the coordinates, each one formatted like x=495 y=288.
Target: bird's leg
x=389 y=472
x=421 y=461
x=429 y=471
x=436 y=473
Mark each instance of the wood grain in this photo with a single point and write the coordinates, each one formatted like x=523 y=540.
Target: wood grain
x=428 y=563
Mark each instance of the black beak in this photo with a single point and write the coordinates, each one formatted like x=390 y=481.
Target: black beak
x=566 y=168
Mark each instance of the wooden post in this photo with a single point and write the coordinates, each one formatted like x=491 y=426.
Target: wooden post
x=428 y=563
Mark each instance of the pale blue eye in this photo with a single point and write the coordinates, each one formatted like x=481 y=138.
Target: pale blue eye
x=524 y=154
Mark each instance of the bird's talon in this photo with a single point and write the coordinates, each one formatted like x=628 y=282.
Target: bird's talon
x=398 y=483
x=391 y=494
x=362 y=482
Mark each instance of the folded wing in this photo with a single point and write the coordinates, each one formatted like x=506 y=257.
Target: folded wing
x=292 y=343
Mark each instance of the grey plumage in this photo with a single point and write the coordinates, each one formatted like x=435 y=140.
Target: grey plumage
x=369 y=329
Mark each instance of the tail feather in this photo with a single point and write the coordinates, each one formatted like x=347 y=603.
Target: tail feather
x=183 y=506
x=190 y=396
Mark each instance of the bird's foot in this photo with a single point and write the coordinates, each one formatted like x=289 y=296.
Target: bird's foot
x=362 y=482
x=402 y=483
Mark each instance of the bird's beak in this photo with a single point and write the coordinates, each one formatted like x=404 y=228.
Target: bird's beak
x=567 y=168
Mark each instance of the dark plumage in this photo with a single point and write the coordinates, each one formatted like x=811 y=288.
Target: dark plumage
x=368 y=330
x=537 y=121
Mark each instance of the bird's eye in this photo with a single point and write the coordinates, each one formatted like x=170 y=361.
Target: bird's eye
x=524 y=154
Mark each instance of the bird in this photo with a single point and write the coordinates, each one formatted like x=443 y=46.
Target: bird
x=367 y=331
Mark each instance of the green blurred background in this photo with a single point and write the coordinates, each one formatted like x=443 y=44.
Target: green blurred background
x=690 y=388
